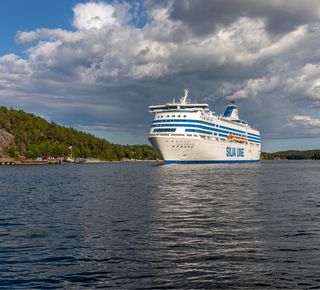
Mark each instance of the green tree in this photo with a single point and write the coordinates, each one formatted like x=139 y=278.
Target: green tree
x=11 y=151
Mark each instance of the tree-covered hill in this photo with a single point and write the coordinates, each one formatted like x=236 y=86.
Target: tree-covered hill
x=34 y=136
x=292 y=154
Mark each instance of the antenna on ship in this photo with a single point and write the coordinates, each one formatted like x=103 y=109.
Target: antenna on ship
x=183 y=99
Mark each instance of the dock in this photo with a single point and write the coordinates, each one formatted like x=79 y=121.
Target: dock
x=6 y=161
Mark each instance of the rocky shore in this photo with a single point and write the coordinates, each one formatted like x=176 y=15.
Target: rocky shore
x=5 y=140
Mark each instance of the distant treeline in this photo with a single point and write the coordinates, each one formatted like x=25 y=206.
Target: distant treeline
x=34 y=136
x=292 y=154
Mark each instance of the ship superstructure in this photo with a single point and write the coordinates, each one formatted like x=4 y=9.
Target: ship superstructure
x=188 y=132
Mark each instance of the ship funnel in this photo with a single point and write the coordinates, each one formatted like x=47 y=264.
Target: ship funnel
x=231 y=112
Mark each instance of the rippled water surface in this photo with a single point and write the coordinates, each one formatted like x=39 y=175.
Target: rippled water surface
x=145 y=225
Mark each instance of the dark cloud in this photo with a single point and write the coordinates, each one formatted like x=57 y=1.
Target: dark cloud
x=207 y=16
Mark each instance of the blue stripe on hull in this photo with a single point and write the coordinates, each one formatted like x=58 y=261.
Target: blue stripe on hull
x=207 y=161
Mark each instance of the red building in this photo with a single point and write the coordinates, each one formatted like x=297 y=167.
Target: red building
x=52 y=158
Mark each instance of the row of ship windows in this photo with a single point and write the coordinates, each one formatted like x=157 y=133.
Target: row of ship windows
x=173 y=130
x=184 y=116
x=178 y=146
x=178 y=107
x=190 y=121
x=164 y=130
x=186 y=107
x=173 y=116
x=202 y=122
x=182 y=125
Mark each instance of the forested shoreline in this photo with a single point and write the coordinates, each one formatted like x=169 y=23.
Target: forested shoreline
x=292 y=154
x=34 y=136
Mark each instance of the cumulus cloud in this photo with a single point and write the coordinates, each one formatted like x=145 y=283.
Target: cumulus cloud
x=308 y=120
x=309 y=125
x=254 y=87
x=94 y=15
x=264 y=54
x=14 y=65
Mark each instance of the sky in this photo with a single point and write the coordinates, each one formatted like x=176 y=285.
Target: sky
x=96 y=66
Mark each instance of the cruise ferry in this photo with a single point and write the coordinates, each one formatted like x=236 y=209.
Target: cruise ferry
x=185 y=132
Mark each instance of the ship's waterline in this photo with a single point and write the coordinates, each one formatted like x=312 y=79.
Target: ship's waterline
x=191 y=133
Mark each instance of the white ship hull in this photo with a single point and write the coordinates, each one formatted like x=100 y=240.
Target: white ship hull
x=191 y=133
x=197 y=150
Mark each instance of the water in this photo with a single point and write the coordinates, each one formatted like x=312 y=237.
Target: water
x=144 y=225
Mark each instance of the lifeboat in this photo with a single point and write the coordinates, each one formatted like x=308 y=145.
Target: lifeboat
x=237 y=138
